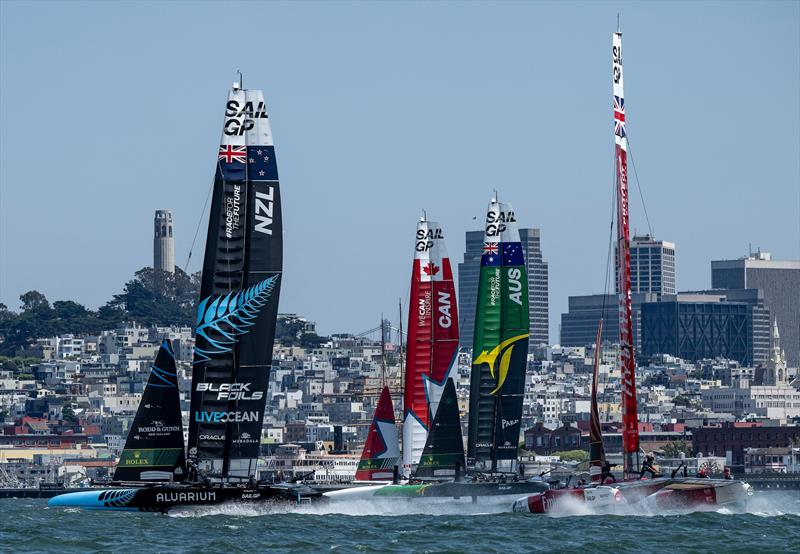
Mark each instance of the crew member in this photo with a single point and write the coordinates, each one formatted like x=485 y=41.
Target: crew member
x=702 y=474
x=606 y=472
x=648 y=466
x=726 y=473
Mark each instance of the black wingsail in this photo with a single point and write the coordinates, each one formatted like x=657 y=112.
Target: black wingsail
x=154 y=448
x=443 y=455
x=238 y=306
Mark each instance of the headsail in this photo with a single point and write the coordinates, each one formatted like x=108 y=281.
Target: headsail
x=630 y=419
x=381 y=451
x=500 y=345
x=597 y=455
x=443 y=455
x=238 y=306
x=432 y=337
x=154 y=448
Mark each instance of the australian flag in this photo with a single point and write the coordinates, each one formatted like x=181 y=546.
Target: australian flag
x=512 y=254
x=254 y=163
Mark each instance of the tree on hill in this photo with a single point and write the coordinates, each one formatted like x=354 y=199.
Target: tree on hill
x=154 y=296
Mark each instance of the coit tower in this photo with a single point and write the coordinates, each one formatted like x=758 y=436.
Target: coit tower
x=163 y=243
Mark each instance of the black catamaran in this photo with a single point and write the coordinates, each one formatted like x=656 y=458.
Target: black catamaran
x=235 y=328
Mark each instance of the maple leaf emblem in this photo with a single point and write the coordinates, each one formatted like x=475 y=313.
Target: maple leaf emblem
x=431 y=269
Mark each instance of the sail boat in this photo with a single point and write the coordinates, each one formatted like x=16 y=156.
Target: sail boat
x=667 y=491
x=235 y=328
x=431 y=404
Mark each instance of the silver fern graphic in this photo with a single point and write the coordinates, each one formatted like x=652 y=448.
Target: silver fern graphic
x=221 y=319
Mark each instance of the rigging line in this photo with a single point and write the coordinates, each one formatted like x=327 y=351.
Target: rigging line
x=199 y=223
x=638 y=186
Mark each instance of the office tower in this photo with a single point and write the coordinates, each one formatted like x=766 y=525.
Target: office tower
x=780 y=283
x=652 y=266
x=732 y=324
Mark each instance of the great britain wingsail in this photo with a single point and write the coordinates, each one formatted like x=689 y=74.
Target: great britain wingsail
x=432 y=337
x=500 y=345
x=234 y=332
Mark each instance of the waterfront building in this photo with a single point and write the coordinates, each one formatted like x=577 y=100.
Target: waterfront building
x=579 y=324
x=536 y=266
x=652 y=266
x=780 y=283
x=733 y=439
x=163 y=242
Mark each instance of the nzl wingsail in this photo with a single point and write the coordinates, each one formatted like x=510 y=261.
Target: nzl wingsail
x=238 y=306
x=381 y=454
x=500 y=345
x=432 y=338
x=154 y=448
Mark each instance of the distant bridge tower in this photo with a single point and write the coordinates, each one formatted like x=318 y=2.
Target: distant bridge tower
x=163 y=243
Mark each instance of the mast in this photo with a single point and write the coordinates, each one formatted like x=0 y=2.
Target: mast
x=630 y=420
x=237 y=313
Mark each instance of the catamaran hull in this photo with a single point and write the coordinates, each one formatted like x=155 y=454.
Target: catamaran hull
x=699 y=494
x=459 y=492
x=162 y=498
x=600 y=498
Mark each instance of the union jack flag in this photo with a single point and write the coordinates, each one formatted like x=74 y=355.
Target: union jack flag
x=229 y=154
x=490 y=248
x=619 y=116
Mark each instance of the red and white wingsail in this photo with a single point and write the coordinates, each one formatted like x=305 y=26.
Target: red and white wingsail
x=381 y=451
x=630 y=418
x=432 y=337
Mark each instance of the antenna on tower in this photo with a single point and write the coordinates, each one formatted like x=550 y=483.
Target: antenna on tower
x=241 y=79
x=618 y=22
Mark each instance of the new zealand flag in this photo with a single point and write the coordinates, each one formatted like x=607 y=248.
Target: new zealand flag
x=255 y=163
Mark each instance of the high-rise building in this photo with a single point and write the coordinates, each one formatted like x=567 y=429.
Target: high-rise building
x=652 y=266
x=733 y=324
x=579 y=324
x=780 y=283
x=163 y=243
x=469 y=271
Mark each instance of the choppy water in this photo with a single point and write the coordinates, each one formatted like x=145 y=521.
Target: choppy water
x=771 y=523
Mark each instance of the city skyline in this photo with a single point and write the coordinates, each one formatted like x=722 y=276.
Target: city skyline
x=467 y=116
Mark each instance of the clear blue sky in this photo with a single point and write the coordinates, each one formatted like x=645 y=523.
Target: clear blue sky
x=112 y=110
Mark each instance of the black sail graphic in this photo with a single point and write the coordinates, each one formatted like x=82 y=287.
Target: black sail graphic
x=443 y=455
x=154 y=448
x=238 y=306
